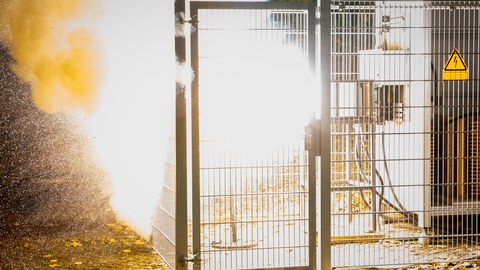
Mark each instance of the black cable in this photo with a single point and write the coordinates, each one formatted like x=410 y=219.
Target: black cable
x=404 y=212
x=408 y=214
x=362 y=174
x=382 y=184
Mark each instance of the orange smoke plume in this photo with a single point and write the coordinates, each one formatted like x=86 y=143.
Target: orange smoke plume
x=54 y=50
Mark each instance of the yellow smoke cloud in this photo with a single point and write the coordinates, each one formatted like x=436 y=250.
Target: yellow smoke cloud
x=54 y=50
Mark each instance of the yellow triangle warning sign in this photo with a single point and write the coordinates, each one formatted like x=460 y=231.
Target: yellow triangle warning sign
x=455 y=68
x=455 y=62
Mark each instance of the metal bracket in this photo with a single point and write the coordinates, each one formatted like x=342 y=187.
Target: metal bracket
x=318 y=15
x=190 y=258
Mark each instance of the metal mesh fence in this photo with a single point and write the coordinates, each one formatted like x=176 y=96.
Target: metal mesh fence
x=405 y=186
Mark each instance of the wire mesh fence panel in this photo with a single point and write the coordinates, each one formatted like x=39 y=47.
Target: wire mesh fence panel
x=405 y=164
x=253 y=88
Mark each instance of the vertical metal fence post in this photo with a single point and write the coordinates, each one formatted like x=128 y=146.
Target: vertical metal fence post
x=196 y=242
x=325 y=150
x=181 y=232
x=312 y=156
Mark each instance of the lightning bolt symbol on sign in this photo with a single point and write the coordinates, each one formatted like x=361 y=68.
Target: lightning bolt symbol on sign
x=455 y=62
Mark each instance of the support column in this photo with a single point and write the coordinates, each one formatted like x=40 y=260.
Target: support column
x=181 y=204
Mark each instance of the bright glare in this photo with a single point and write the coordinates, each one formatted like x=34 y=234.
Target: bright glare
x=260 y=99
x=135 y=115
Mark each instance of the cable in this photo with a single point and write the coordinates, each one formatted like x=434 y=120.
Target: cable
x=385 y=217
x=362 y=174
x=387 y=172
x=401 y=209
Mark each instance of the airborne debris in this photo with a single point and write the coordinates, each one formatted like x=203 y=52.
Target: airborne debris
x=75 y=244
x=54 y=204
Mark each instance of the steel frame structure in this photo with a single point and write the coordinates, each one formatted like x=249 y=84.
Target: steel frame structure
x=398 y=145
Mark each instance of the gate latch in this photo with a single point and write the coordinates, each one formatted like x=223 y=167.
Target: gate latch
x=190 y=258
x=312 y=137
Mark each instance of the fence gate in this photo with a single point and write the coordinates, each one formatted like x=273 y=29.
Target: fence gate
x=253 y=182
x=405 y=132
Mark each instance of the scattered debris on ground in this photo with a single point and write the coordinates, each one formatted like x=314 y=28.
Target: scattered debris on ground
x=112 y=245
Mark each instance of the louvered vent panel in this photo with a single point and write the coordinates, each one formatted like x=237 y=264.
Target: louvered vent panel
x=473 y=167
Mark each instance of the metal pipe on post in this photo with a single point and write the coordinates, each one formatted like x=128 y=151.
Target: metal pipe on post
x=181 y=210
x=325 y=150
x=312 y=155
x=375 y=206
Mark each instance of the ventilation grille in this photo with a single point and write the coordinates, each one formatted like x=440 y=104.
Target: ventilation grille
x=473 y=165
x=463 y=163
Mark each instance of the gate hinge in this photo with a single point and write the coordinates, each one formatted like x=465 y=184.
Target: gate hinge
x=190 y=258
x=191 y=20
